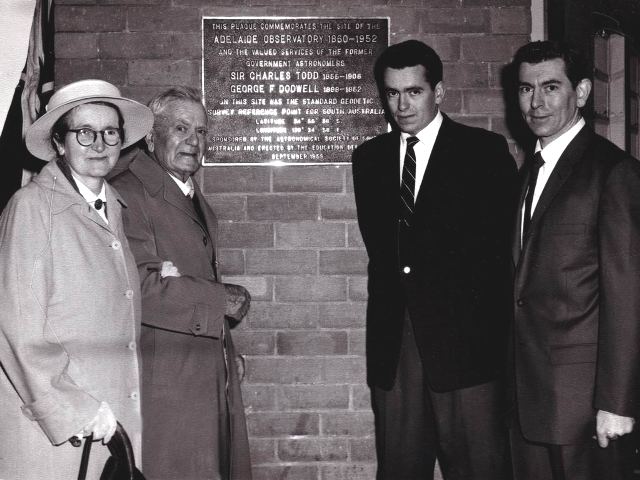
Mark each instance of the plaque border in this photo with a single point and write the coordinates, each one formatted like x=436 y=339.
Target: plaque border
x=274 y=163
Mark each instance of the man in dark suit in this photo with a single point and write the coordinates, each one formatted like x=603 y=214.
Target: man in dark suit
x=576 y=331
x=437 y=236
x=194 y=424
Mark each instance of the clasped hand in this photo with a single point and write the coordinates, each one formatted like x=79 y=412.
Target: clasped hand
x=610 y=426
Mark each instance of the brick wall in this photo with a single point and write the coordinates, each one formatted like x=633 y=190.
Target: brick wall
x=289 y=234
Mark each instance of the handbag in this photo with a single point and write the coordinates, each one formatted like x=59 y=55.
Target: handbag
x=120 y=465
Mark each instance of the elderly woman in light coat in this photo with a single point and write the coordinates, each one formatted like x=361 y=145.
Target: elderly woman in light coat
x=69 y=295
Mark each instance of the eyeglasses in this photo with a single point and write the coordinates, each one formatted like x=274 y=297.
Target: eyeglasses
x=87 y=136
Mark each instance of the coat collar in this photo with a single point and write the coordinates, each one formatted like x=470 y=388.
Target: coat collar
x=157 y=182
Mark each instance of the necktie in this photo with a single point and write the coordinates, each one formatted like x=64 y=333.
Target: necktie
x=198 y=208
x=538 y=161
x=98 y=204
x=407 y=198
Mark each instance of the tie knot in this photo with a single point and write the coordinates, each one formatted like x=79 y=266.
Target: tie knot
x=411 y=141
x=538 y=161
x=98 y=204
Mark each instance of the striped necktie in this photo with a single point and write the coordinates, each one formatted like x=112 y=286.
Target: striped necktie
x=407 y=189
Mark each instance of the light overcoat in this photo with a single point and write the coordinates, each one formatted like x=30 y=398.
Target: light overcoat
x=69 y=324
x=186 y=400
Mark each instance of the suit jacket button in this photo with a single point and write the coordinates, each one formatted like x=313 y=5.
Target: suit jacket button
x=204 y=239
x=520 y=302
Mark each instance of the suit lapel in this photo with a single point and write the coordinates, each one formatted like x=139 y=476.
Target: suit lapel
x=571 y=155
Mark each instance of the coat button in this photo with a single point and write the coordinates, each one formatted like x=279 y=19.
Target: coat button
x=133 y=395
x=131 y=346
x=198 y=327
x=520 y=302
x=116 y=245
x=129 y=294
x=406 y=269
x=204 y=239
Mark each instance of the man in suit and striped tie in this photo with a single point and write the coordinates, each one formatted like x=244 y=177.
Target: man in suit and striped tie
x=435 y=204
x=576 y=251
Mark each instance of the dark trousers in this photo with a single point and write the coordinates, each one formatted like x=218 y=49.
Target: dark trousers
x=539 y=461
x=464 y=429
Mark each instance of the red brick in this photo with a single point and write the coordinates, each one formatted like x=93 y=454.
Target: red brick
x=484 y=101
x=310 y=289
x=263 y=450
x=282 y=207
x=337 y=207
x=343 y=262
x=228 y=207
x=245 y=235
x=310 y=234
x=311 y=397
x=351 y=424
x=312 y=343
x=313 y=450
x=360 y=397
x=70 y=70
x=76 y=45
x=466 y=75
x=258 y=398
x=265 y=424
x=452 y=102
x=164 y=72
x=357 y=342
x=351 y=471
x=510 y=20
x=363 y=449
x=308 y=179
x=283 y=316
x=454 y=20
x=132 y=45
x=281 y=262
x=260 y=288
x=231 y=262
x=354 y=238
x=342 y=315
x=344 y=369
x=237 y=179
x=153 y=19
x=358 y=288
x=283 y=371
x=254 y=343
x=491 y=48
x=285 y=472
x=89 y=19
x=498 y=3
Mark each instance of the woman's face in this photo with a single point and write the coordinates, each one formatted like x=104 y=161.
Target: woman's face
x=93 y=162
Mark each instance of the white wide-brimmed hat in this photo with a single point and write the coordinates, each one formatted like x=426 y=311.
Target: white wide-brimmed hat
x=138 y=119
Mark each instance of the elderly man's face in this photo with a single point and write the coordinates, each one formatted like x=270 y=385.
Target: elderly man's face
x=179 y=138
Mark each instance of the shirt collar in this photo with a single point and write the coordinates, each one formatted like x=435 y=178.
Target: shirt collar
x=186 y=187
x=430 y=131
x=552 y=152
x=86 y=192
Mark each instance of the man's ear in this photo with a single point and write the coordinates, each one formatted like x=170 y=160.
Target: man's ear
x=583 y=89
x=59 y=146
x=149 y=140
x=439 y=92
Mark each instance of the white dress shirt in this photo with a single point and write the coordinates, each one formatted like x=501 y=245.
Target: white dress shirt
x=91 y=197
x=551 y=154
x=186 y=187
x=422 y=149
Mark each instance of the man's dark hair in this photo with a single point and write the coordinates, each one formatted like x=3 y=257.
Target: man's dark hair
x=409 y=54
x=576 y=66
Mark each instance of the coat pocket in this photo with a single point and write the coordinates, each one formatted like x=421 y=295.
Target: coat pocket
x=569 y=354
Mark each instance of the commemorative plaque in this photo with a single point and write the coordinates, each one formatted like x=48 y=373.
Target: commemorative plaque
x=290 y=90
